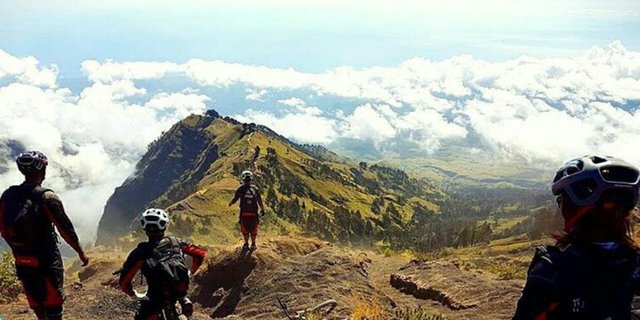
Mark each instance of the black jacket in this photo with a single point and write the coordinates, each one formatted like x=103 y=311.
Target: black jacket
x=583 y=281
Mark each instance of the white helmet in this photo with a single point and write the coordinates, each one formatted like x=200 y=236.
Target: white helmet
x=154 y=217
x=247 y=175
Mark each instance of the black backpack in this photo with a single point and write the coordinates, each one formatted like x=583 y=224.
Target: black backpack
x=24 y=222
x=249 y=199
x=167 y=269
x=592 y=283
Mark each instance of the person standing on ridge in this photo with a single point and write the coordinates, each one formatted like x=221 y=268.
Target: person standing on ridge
x=250 y=199
x=161 y=260
x=593 y=271
x=28 y=214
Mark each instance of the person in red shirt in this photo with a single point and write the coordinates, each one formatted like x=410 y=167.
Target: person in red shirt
x=28 y=215
x=163 y=288
x=250 y=200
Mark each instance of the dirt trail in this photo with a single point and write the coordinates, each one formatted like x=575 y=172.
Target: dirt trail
x=304 y=272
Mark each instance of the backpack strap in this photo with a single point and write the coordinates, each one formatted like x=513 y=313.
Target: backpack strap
x=39 y=190
x=37 y=194
x=174 y=242
x=545 y=258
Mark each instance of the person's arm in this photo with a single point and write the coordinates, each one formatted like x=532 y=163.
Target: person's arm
x=2 y=225
x=259 y=199
x=196 y=252
x=536 y=301
x=539 y=296
x=129 y=270
x=235 y=197
x=54 y=210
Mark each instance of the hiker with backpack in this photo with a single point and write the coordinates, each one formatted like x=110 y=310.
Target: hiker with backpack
x=250 y=199
x=593 y=271
x=161 y=260
x=28 y=215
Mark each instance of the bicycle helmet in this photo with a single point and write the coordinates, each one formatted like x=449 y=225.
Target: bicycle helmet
x=247 y=175
x=31 y=161
x=157 y=218
x=585 y=179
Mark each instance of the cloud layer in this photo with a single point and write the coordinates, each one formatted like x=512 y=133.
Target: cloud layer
x=527 y=108
x=534 y=108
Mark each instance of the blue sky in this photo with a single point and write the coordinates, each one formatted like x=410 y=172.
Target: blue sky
x=310 y=35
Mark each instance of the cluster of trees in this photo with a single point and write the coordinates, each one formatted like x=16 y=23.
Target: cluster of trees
x=425 y=231
x=319 y=170
x=541 y=223
x=480 y=201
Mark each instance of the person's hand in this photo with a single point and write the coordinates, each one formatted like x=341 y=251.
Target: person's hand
x=84 y=259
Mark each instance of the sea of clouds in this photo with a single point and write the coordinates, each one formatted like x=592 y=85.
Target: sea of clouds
x=528 y=108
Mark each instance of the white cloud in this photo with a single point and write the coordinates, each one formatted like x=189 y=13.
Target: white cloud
x=177 y=105
x=301 y=106
x=256 y=95
x=26 y=70
x=112 y=71
x=549 y=109
x=367 y=123
x=293 y=102
x=436 y=102
x=302 y=127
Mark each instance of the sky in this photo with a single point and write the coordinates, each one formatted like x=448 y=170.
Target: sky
x=92 y=83
x=310 y=36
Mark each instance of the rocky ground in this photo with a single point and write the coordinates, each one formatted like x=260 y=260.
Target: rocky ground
x=302 y=272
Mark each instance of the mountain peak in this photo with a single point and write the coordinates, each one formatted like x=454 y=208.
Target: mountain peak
x=192 y=170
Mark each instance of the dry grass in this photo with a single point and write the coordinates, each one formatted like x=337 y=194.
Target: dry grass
x=10 y=286
x=416 y=314
x=365 y=309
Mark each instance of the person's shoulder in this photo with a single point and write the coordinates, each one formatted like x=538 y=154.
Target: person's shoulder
x=138 y=252
x=9 y=190
x=49 y=194
x=546 y=263
x=49 y=197
x=172 y=239
x=142 y=248
x=13 y=189
x=546 y=254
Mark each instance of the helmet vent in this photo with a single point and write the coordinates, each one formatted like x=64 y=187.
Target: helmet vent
x=597 y=159
x=619 y=174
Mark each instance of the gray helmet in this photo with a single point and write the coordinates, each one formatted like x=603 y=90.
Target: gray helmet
x=247 y=175
x=154 y=218
x=31 y=161
x=584 y=179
